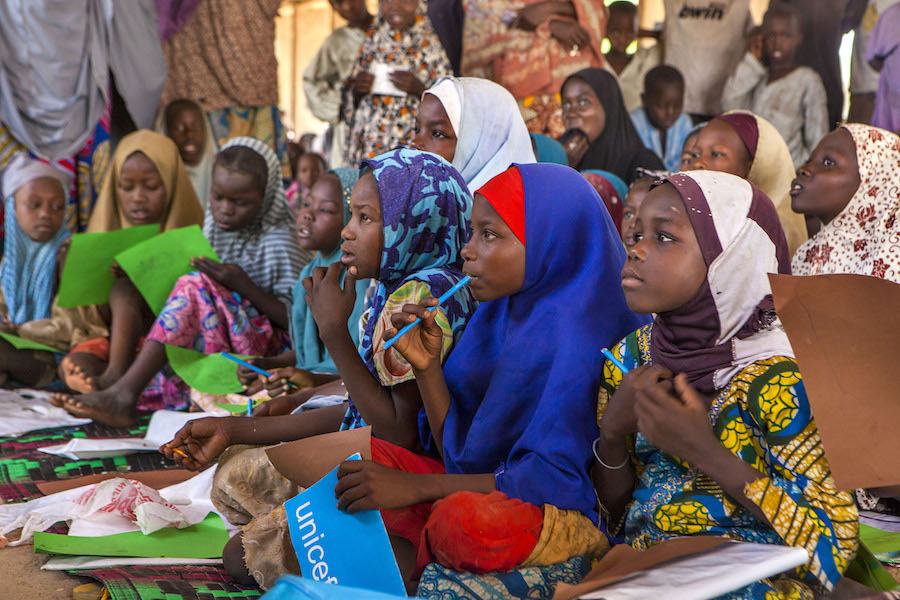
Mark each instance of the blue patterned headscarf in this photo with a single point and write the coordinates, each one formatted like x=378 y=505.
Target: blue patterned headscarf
x=27 y=274
x=426 y=213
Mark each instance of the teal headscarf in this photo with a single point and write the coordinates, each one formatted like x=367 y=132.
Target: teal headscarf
x=549 y=150
x=310 y=351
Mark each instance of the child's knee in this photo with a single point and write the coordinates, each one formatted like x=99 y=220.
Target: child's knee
x=124 y=292
x=233 y=560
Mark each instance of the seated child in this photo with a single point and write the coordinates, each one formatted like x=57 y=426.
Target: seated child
x=630 y=69
x=310 y=166
x=403 y=38
x=330 y=67
x=513 y=448
x=661 y=123
x=633 y=199
x=35 y=208
x=236 y=305
x=185 y=122
x=147 y=184
x=475 y=125
x=744 y=144
x=710 y=432
x=406 y=233
x=687 y=149
x=789 y=96
x=850 y=184
x=323 y=215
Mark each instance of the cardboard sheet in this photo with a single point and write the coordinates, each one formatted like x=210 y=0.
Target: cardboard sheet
x=845 y=332
x=336 y=547
x=693 y=568
x=208 y=373
x=156 y=264
x=155 y=479
x=204 y=540
x=20 y=343
x=86 y=277
x=308 y=460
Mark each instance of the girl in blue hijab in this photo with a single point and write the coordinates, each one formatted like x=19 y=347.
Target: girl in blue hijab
x=511 y=412
x=35 y=206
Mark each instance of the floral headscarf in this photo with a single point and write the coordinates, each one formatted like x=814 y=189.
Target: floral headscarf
x=864 y=239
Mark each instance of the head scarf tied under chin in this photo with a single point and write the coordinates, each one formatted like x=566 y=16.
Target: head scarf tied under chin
x=183 y=209
x=864 y=238
x=490 y=132
x=426 y=213
x=524 y=377
x=27 y=273
x=731 y=322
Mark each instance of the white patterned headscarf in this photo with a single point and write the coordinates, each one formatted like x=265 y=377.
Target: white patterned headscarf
x=490 y=132
x=267 y=249
x=864 y=239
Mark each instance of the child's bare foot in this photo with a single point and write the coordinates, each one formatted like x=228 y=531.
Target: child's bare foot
x=80 y=371
x=113 y=407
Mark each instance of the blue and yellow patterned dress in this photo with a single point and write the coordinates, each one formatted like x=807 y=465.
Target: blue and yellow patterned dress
x=763 y=417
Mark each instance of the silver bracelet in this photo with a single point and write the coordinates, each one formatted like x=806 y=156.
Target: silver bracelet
x=603 y=464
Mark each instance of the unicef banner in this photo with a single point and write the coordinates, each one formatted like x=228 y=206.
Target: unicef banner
x=340 y=548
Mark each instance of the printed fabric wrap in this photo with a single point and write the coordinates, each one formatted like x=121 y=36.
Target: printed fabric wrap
x=426 y=214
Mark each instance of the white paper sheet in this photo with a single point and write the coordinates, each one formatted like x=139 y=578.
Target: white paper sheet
x=724 y=569
x=382 y=85
x=66 y=563
x=30 y=410
x=164 y=424
x=879 y=521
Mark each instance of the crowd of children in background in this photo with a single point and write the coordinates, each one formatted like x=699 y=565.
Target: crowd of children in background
x=634 y=201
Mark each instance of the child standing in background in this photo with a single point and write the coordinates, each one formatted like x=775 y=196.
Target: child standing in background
x=662 y=123
x=185 y=122
x=330 y=67
x=310 y=167
x=402 y=38
x=789 y=96
x=630 y=69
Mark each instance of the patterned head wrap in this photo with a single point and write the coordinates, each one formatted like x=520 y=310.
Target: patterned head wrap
x=864 y=239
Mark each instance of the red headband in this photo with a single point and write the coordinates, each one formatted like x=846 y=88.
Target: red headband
x=507 y=195
x=747 y=129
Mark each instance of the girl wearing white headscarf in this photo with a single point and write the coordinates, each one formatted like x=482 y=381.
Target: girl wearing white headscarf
x=490 y=132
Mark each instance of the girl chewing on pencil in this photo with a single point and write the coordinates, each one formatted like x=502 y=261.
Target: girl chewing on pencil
x=410 y=213
x=237 y=305
x=510 y=413
x=710 y=432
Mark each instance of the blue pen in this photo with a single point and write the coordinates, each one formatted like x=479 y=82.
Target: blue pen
x=441 y=300
x=615 y=361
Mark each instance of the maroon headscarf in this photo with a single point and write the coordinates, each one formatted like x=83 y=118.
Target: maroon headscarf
x=747 y=129
x=714 y=334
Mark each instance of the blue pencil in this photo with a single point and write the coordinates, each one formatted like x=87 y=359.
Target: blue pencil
x=262 y=372
x=441 y=300
x=615 y=361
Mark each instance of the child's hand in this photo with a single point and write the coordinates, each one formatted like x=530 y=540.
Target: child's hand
x=199 y=442
x=570 y=34
x=675 y=421
x=277 y=384
x=407 y=81
x=230 y=275
x=117 y=271
x=248 y=376
x=63 y=253
x=367 y=485
x=530 y=17
x=330 y=305
x=7 y=326
x=619 y=419
x=362 y=83
x=421 y=346
x=575 y=149
x=282 y=405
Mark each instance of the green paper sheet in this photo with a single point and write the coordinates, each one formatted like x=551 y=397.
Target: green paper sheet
x=156 y=264
x=86 y=278
x=23 y=344
x=208 y=373
x=879 y=542
x=203 y=540
x=240 y=409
